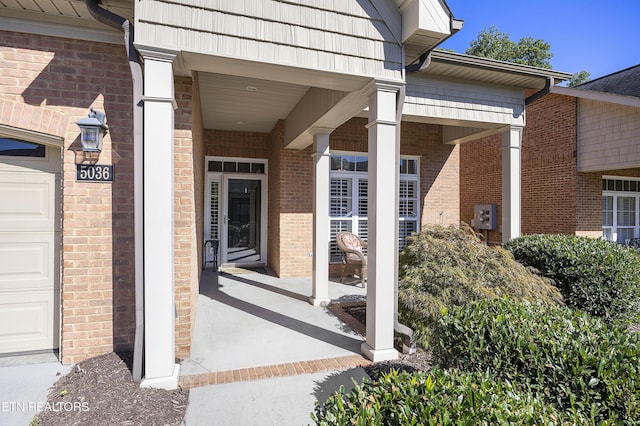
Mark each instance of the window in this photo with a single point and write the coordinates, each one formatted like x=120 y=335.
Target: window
x=620 y=209
x=231 y=166
x=348 y=198
x=19 y=148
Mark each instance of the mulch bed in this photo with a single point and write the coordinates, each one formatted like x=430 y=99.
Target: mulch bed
x=101 y=391
x=354 y=314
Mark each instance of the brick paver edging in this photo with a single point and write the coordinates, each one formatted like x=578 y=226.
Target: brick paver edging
x=269 y=371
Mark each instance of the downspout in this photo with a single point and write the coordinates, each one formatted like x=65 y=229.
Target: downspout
x=545 y=90
x=119 y=23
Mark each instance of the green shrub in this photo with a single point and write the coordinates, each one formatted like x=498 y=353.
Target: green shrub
x=572 y=359
x=442 y=267
x=439 y=398
x=594 y=275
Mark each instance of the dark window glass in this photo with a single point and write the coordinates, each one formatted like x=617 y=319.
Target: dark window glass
x=336 y=161
x=229 y=166
x=18 y=148
x=215 y=166
x=244 y=167
x=257 y=168
x=362 y=164
x=349 y=163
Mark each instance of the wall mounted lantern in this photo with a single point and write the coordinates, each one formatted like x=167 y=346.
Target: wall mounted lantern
x=92 y=129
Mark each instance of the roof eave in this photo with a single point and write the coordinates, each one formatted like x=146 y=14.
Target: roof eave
x=490 y=70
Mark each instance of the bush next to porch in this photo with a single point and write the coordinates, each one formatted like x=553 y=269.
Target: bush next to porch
x=439 y=397
x=450 y=266
x=594 y=275
x=571 y=359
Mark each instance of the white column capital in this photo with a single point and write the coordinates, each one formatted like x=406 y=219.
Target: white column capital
x=381 y=85
x=156 y=53
x=314 y=131
x=512 y=137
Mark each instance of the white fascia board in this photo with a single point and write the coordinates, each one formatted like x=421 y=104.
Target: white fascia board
x=597 y=96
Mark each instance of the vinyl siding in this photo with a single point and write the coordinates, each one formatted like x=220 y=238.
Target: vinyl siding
x=608 y=136
x=463 y=101
x=330 y=35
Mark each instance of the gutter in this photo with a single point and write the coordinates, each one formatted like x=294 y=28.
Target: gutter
x=544 y=91
x=119 y=23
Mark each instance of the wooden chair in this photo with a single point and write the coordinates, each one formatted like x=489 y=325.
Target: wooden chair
x=354 y=259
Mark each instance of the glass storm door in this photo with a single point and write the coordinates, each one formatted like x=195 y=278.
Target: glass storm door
x=244 y=236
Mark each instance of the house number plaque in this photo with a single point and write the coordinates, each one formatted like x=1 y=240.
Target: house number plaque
x=94 y=172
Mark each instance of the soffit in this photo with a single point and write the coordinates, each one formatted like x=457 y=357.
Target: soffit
x=71 y=12
x=245 y=104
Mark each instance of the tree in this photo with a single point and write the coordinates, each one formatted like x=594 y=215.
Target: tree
x=494 y=44
x=579 y=78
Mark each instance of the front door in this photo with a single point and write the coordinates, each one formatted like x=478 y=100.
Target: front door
x=236 y=212
x=243 y=221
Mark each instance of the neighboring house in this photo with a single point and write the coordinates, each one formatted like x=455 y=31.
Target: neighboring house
x=266 y=125
x=580 y=162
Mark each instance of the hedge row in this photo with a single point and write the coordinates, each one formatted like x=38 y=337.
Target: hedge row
x=594 y=275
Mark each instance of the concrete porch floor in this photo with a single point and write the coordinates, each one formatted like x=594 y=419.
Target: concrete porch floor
x=254 y=325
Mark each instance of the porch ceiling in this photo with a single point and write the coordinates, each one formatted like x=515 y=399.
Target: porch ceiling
x=245 y=104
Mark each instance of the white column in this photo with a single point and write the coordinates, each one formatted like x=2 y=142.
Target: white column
x=160 y=369
x=382 y=226
x=320 y=285
x=511 y=141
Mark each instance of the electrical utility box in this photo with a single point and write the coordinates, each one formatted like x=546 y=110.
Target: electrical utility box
x=484 y=216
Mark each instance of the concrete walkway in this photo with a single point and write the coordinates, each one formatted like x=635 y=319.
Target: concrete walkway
x=251 y=320
x=279 y=401
x=24 y=386
x=262 y=355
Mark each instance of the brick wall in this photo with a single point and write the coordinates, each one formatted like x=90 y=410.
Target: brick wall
x=294 y=208
x=186 y=251
x=58 y=79
x=549 y=166
x=275 y=164
x=480 y=178
x=439 y=172
x=549 y=170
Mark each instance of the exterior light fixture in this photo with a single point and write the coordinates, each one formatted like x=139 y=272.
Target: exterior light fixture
x=92 y=129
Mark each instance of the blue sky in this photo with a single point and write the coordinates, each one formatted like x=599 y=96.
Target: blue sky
x=599 y=36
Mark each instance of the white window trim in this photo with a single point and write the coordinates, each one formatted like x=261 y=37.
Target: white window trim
x=356 y=175
x=615 y=195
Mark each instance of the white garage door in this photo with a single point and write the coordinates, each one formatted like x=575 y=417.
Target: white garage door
x=29 y=249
